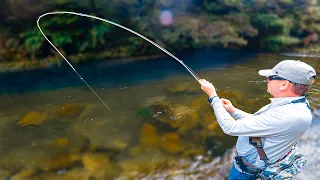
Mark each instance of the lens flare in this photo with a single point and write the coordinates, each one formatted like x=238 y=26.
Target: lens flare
x=166 y=18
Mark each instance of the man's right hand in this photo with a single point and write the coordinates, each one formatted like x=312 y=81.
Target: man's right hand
x=228 y=105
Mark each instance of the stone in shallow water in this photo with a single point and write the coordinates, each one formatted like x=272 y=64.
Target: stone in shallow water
x=171 y=143
x=142 y=163
x=59 y=162
x=103 y=134
x=181 y=110
x=24 y=174
x=148 y=136
x=33 y=118
x=77 y=174
x=98 y=165
x=73 y=174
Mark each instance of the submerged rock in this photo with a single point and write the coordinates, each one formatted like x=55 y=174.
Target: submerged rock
x=60 y=142
x=153 y=100
x=188 y=87
x=59 y=162
x=24 y=174
x=103 y=133
x=33 y=118
x=180 y=111
x=171 y=143
x=179 y=117
x=148 y=136
x=77 y=174
x=150 y=161
x=70 y=110
x=73 y=174
x=98 y=165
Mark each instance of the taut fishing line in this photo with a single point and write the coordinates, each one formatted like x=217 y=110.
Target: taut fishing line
x=115 y=24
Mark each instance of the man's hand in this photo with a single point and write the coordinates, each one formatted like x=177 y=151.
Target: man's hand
x=208 y=88
x=228 y=105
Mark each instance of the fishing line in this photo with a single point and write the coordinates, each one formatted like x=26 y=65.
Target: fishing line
x=115 y=24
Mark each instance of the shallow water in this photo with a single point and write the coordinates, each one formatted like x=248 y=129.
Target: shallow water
x=53 y=127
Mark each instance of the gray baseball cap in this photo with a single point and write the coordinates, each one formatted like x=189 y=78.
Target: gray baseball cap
x=292 y=70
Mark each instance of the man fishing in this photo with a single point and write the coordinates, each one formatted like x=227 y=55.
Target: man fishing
x=270 y=134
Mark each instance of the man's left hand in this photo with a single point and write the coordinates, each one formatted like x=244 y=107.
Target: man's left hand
x=208 y=88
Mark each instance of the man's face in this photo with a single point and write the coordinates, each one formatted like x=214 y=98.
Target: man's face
x=274 y=87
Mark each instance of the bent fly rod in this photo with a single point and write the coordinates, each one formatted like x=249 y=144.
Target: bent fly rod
x=115 y=24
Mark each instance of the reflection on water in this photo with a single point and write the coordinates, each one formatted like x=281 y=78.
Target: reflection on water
x=160 y=124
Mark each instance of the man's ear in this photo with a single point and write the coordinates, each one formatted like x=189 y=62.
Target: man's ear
x=285 y=85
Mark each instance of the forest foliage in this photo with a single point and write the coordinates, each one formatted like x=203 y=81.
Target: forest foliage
x=255 y=25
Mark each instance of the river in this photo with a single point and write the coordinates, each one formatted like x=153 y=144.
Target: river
x=160 y=124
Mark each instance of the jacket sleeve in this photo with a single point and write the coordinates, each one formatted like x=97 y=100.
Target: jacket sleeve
x=239 y=114
x=260 y=125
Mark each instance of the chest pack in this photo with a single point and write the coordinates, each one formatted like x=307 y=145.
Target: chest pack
x=285 y=168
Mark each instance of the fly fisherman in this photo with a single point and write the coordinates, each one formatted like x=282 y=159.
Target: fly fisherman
x=269 y=135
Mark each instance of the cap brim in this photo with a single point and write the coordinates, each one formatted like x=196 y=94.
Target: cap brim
x=266 y=72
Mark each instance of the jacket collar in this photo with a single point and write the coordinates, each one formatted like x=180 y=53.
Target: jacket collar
x=283 y=100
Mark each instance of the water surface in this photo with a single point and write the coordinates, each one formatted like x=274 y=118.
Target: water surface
x=53 y=127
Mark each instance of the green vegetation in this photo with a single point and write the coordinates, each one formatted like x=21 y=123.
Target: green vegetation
x=257 y=25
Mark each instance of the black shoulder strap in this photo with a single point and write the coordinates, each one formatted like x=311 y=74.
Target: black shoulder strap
x=256 y=142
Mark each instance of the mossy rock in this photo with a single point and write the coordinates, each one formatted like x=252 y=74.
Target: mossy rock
x=166 y=116
x=171 y=112
x=179 y=111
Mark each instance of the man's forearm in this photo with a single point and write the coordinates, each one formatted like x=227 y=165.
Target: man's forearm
x=224 y=119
